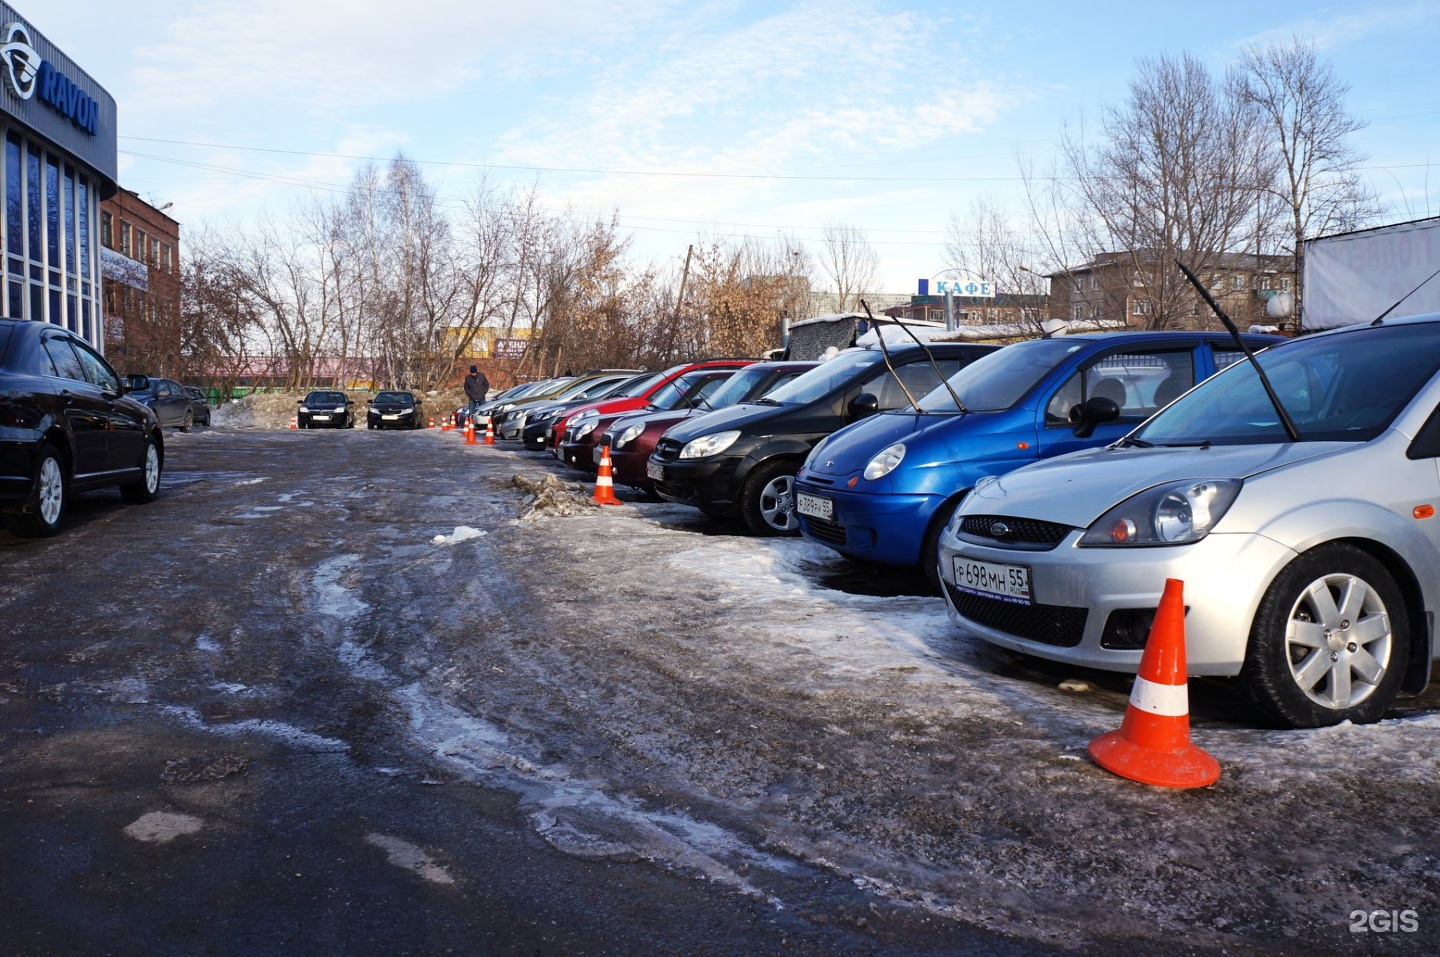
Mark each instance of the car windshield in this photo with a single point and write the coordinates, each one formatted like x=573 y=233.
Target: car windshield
x=825 y=378
x=739 y=386
x=1346 y=387
x=639 y=385
x=669 y=395
x=1000 y=379
x=325 y=398
x=394 y=397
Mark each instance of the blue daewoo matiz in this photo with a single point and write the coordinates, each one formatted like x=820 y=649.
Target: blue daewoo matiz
x=881 y=490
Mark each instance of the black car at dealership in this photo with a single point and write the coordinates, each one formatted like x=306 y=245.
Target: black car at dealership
x=740 y=462
x=67 y=426
x=394 y=410
x=170 y=401
x=326 y=409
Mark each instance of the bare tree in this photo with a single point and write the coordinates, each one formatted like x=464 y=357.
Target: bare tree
x=1303 y=104
x=850 y=262
x=1176 y=174
x=984 y=243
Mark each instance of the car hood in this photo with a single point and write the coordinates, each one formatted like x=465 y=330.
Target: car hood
x=1078 y=488
x=742 y=417
x=652 y=420
x=852 y=448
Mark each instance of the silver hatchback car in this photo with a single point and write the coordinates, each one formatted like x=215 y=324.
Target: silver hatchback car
x=1308 y=542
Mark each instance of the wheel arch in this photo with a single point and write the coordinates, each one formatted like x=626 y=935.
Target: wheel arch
x=1419 y=618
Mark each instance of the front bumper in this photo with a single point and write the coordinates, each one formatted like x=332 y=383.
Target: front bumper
x=1077 y=592
x=887 y=529
x=384 y=420
x=710 y=483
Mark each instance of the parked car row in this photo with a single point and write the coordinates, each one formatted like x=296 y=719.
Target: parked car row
x=1050 y=487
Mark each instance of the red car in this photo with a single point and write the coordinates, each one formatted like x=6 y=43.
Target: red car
x=632 y=437
x=575 y=434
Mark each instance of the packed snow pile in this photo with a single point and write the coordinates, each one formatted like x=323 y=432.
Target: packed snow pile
x=551 y=496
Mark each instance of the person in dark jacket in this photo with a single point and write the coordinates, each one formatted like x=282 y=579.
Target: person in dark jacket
x=476 y=386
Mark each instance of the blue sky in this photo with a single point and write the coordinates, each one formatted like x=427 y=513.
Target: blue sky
x=723 y=118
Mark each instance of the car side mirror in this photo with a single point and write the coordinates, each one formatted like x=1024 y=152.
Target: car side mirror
x=1095 y=410
x=863 y=405
x=299 y=401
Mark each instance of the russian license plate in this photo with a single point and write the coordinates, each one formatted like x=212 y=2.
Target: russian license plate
x=321 y=418
x=597 y=453
x=387 y=417
x=655 y=471
x=813 y=506
x=1007 y=582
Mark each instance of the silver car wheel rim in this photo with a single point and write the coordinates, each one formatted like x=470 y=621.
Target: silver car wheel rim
x=1338 y=641
x=52 y=491
x=152 y=468
x=777 y=503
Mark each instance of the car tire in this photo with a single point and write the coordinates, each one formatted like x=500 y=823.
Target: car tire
x=767 y=499
x=1332 y=617
x=187 y=422
x=930 y=544
x=147 y=488
x=45 y=509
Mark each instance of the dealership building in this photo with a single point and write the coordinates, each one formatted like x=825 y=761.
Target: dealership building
x=58 y=164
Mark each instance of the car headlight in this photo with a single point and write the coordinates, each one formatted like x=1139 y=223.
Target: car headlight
x=372 y=409
x=629 y=435
x=305 y=410
x=407 y=411
x=582 y=429
x=587 y=414
x=1176 y=513
x=885 y=461
x=339 y=408
x=712 y=444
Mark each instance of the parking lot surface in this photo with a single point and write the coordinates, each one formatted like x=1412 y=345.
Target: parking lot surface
x=353 y=692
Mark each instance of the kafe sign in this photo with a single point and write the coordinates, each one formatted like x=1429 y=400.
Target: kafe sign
x=32 y=76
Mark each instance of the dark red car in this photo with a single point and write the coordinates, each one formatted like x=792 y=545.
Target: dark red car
x=576 y=432
x=632 y=437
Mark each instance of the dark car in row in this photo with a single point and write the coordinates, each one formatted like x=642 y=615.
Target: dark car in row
x=632 y=437
x=395 y=410
x=174 y=404
x=741 y=462
x=326 y=409
x=67 y=426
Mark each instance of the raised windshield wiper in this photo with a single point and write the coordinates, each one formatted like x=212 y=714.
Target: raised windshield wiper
x=1138 y=443
x=1285 y=419
x=944 y=379
x=764 y=401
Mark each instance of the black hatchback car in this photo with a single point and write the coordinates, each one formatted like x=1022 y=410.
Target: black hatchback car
x=326 y=409
x=66 y=426
x=394 y=410
x=740 y=462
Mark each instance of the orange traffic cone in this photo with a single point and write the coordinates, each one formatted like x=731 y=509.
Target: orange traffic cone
x=470 y=432
x=295 y=421
x=1153 y=743
x=604 y=487
x=489 y=431
x=432 y=421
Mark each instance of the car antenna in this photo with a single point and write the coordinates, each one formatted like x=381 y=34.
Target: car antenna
x=944 y=379
x=1285 y=419
x=1397 y=302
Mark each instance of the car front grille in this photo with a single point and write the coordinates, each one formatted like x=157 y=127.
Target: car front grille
x=1007 y=530
x=668 y=450
x=1055 y=625
x=831 y=532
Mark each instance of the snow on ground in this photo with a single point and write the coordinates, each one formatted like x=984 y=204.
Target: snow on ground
x=706 y=701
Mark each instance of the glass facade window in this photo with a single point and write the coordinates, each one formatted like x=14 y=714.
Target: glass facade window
x=51 y=273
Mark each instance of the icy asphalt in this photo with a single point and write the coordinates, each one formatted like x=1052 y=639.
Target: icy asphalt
x=354 y=693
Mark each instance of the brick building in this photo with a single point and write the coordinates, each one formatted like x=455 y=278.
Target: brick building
x=1129 y=290
x=140 y=261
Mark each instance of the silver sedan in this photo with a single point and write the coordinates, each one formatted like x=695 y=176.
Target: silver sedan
x=1307 y=540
